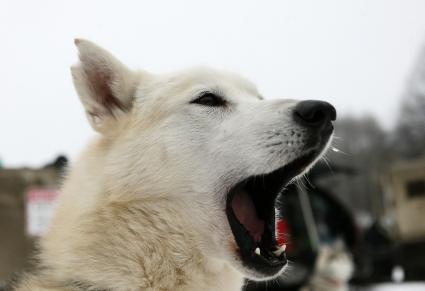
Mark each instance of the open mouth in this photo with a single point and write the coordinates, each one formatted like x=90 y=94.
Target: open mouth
x=250 y=210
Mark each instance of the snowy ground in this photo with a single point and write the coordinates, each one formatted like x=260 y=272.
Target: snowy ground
x=396 y=287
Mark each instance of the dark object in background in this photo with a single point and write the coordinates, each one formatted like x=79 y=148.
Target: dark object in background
x=59 y=164
x=381 y=254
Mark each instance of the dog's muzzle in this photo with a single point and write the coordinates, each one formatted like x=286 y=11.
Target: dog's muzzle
x=250 y=205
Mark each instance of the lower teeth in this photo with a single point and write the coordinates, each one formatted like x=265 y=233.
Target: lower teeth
x=280 y=250
x=277 y=252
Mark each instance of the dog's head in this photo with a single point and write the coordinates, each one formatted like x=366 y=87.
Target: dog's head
x=207 y=138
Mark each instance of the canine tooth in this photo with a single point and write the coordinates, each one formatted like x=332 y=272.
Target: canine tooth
x=280 y=250
x=257 y=251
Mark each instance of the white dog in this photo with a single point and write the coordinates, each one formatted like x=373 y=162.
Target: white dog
x=177 y=192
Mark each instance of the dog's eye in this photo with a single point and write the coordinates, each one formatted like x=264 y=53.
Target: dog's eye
x=209 y=99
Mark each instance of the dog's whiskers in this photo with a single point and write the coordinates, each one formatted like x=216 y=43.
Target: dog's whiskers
x=305 y=176
x=336 y=150
x=327 y=163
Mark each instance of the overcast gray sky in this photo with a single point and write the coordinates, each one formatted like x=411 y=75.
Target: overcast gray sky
x=355 y=54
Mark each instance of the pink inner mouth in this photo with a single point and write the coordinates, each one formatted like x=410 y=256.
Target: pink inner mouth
x=244 y=209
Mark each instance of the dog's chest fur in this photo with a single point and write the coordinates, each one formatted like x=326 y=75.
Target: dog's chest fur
x=125 y=246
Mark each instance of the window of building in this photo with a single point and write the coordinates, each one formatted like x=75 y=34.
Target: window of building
x=416 y=188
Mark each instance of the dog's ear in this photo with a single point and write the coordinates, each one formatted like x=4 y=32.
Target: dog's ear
x=105 y=86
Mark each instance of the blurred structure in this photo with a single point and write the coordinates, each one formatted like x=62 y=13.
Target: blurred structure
x=16 y=242
x=405 y=203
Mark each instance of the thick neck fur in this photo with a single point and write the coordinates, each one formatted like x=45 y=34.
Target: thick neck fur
x=119 y=244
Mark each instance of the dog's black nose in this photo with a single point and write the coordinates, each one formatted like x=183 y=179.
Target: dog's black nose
x=313 y=113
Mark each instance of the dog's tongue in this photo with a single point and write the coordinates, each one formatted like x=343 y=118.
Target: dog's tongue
x=245 y=212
